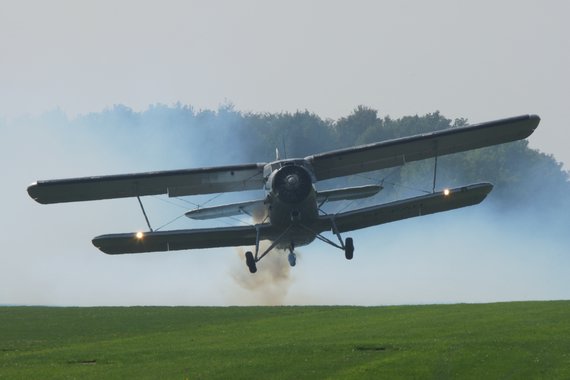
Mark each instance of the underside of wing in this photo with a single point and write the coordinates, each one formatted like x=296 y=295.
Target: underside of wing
x=407 y=208
x=348 y=193
x=136 y=242
x=397 y=152
x=256 y=209
x=174 y=183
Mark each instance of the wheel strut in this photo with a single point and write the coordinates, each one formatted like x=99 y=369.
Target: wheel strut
x=251 y=259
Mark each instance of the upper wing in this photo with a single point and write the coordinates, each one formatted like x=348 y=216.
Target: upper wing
x=399 y=151
x=173 y=182
x=407 y=208
x=115 y=244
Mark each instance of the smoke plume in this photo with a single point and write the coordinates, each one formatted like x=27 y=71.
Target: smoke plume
x=270 y=285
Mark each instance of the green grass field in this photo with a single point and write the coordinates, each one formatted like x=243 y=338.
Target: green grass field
x=521 y=340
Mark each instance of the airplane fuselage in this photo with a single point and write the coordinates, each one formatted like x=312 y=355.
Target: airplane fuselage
x=291 y=201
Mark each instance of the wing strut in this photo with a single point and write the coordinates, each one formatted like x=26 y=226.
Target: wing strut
x=273 y=245
x=252 y=259
x=144 y=213
x=327 y=240
x=434 y=175
x=434 y=166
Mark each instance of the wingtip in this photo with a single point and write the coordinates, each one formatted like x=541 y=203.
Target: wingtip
x=535 y=118
x=482 y=187
x=485 y=189
x=534 y=121
x=97 y=243
x=488 y=186
x=32 y=192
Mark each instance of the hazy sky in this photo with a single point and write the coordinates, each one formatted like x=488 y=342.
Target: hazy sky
x=481 y=60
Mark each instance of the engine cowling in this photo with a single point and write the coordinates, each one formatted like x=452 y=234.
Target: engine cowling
x=291 y=184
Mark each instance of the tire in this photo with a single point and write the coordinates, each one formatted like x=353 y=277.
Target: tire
x=349 y=249
x=253 y=268
x=292 y=258
x=250 y=262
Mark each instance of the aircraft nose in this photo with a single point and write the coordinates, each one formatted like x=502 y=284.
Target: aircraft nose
x=292 y=181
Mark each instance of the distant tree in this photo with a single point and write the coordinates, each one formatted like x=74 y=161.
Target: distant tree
x=522 y=176
x=351 y=128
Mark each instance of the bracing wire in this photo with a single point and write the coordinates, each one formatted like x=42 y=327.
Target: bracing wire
x=197 y=205
x=169 y=223
x=408 y=187
x=383 y=180
x=171 y=202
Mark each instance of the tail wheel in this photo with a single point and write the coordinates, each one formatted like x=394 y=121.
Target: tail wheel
x=292 y=259
x=349 y=249
x=250 y=262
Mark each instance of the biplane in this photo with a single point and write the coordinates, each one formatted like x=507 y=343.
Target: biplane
x=291 y=212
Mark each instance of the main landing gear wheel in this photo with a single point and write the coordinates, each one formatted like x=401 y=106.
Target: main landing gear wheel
x=348 y=248
x=250 y=262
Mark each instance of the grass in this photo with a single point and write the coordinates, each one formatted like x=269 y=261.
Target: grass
x=521 y=340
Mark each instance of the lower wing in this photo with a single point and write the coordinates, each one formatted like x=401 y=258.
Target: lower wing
x=138 y=242
x=407 y=208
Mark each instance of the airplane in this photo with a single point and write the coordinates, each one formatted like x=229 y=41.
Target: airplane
x=291 y=213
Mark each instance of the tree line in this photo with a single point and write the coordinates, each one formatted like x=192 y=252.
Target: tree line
x=522 y=176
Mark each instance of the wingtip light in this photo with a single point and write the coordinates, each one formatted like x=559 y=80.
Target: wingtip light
x=446 y=192
x=139 y=235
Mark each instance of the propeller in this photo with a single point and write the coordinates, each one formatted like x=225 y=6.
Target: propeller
x=292 y=184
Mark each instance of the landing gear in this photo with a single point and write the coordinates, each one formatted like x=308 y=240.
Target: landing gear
x=250 y=262
x=348 y=248
x=292 y=257
x=251 y=259
x=347 y=245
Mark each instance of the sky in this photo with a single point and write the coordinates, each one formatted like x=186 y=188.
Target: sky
x=479 y=60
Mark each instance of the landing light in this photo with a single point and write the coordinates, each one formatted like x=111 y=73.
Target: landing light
x=139 y=235
x=446 y=192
